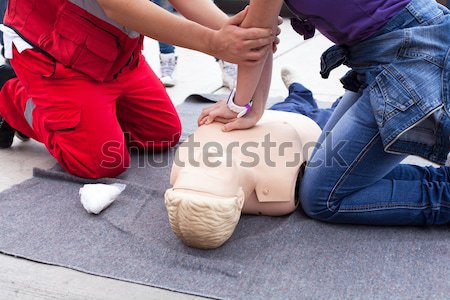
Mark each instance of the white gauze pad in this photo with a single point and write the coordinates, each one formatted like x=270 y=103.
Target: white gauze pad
x=96 y=197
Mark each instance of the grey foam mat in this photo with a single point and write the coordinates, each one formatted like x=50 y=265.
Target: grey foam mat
x=290 y=257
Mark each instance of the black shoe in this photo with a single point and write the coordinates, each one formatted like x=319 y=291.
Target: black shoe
x=6 y=131
x=6 y=73
x=22 y=136
x=6 y=134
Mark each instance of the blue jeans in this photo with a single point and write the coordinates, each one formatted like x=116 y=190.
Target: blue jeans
x=3 y=4
x=163 y=47
x=350 y=178
x=301 y=101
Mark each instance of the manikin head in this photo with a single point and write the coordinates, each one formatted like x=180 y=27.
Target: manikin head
x=206 y=201
x=205 y=204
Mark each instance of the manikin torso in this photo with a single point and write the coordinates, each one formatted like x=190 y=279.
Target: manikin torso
x=263 y=161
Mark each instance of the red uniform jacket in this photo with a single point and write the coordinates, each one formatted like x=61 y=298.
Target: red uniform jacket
x=76 y=33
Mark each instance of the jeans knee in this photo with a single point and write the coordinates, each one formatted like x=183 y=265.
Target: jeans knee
x=314 y=198
x=311 y=203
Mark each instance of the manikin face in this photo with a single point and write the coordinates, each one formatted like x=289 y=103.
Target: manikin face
x=217 y=176
x=205 y=204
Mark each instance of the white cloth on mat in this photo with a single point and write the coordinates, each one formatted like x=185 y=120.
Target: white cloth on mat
x=96 y=197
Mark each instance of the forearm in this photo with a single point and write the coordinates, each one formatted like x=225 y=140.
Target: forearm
x=262 y=88
x=209 y=15
x=262 y=13
x=143 y=15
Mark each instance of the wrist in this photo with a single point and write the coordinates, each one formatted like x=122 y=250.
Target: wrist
x=240 y=110
x=240 y=100
x=258 y=107
x=211 y=47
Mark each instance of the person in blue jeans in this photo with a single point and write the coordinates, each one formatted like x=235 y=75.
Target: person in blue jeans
x=397 y=104
x=400 y=107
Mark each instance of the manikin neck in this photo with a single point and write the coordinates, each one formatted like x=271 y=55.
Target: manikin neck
x=221 y=181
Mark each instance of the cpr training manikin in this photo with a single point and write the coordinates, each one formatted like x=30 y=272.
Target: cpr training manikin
x=218 y=175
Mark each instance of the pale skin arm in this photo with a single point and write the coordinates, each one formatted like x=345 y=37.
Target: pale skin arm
x=253 y=81
x=222 y=38
x=262 y=13
x=208 y=15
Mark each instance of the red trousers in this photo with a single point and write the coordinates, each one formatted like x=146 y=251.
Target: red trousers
x=86 y=125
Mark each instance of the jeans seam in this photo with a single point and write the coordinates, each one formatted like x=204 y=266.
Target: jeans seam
x=348 y=171
x=392 y=206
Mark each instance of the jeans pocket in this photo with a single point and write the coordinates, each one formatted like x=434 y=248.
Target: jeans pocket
x=390 y=94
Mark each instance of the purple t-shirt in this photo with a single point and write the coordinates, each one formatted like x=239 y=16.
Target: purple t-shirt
x=343 y=21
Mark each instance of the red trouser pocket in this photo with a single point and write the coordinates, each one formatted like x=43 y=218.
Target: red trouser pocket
x=66 y=121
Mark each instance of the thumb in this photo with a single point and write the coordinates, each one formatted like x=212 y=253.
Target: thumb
x=238 y=18
x=236 y=124
x=209 y=120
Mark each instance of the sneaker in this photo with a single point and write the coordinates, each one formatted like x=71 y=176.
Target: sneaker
x=229 y=74
x=168 y=63
x=288 y=76
x=6 y=134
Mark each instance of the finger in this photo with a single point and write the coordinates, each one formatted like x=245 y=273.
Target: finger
x=205 y=112
x=258 y=54
x=210 y=118
x=224 y=120
x=235 y=125
x=203 y=121
x=256 y=33
x=239 y=17
x=275 y=45
x=208 y=109
x=278 y=31
x=276 y=41
x=254 y=44
x=200 y=119
x=211 y=107
x=280 y=20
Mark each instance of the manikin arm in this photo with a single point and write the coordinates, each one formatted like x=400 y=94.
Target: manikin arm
x=221 y=38
x=253 y=81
